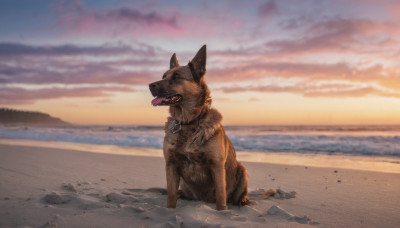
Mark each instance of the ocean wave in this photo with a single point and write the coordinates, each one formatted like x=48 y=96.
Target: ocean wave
x=375 y=141
x=362 y=145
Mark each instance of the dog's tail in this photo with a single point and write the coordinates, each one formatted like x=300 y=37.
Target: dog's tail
x=245 y=201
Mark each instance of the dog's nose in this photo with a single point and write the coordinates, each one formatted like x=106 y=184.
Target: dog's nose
x=152 y=85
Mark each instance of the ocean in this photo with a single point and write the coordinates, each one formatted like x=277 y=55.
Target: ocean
x=374 y=140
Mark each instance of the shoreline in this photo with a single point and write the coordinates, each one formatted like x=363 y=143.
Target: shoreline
x=385 y=164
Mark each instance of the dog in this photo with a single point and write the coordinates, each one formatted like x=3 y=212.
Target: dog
x=200 y=160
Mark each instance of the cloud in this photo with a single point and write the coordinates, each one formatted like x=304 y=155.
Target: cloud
x=339 y=35
x=79 y=20
x=85 y=74
x=153 y=20
x=17 y=95
x=315 y=90
x=311 y=56
x=67 y=5
x=335 y=36
x=71 y=64
x=311 y=71
x=15 y=49
x=76 y=14
x=135 y=16
x=394 y=9
x=113 y=64
x=268 y=9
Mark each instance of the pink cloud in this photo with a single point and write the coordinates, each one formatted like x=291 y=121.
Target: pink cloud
x=334 y=36
x=268 y=9
x=339 y=35
x=16 y=95
x=79 y=20
x=69 y=64
x=315 y=71
x=394 y=9
x=17 y=49
x=388 y=79
x=313 y=90
x=85 y=74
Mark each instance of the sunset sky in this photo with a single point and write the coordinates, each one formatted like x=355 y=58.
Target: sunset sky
x=269 y=62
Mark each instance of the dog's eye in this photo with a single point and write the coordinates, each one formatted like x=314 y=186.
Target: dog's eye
x=176 y=77
x=164 y=76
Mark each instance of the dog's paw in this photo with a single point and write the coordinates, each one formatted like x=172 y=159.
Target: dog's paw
x=222 y=207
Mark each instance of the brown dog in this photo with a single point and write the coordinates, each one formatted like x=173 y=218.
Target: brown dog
x=200 y=158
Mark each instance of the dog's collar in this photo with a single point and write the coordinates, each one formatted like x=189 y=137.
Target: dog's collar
x=197 y=119
x=176 y=126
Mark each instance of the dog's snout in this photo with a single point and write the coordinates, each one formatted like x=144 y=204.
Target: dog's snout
x=154 y=88
x=152 y=85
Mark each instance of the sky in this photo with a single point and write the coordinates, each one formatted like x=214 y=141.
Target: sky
x=268 y=62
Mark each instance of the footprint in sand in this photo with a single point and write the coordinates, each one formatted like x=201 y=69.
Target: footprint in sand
x=279 y=213
x=120 y=198
x=275 y=193
x=68 y=187
x=52 y=223
x=72 y=199
x=55 y=198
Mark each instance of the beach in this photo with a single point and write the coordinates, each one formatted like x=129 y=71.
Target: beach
x=47 y=184
x=93 y=92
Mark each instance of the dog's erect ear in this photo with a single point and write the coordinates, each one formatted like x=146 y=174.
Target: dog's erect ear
x=173 y=62
x=198 y=64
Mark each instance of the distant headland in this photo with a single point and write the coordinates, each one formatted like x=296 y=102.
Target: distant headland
x=13 y=116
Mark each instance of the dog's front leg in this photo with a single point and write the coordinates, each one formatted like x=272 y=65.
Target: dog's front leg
x=172 y=185
x=218 y=172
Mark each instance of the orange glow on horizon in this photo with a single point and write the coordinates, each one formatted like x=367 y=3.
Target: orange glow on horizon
x=237 y=109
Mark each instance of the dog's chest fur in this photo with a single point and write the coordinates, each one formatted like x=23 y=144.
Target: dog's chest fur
x=192 y=163
x=188 y=149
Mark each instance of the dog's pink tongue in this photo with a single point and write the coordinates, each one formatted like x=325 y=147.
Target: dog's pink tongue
x=156 y=101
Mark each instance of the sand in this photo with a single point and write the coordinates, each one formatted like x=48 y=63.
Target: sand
x=55 y=187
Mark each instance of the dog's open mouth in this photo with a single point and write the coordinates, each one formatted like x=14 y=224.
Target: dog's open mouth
x=174 y=99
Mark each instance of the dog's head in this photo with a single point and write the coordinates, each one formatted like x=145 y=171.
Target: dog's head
x=181 y=84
